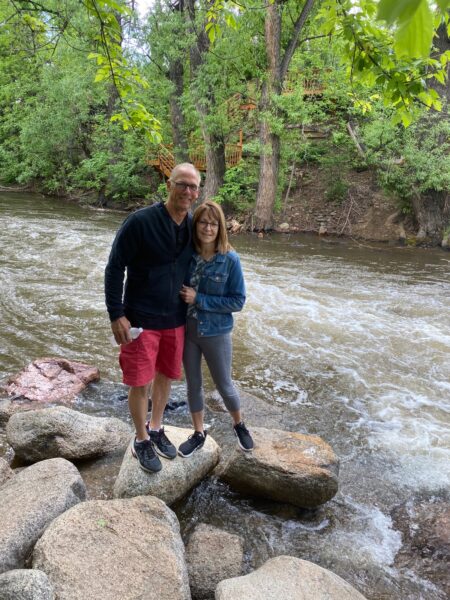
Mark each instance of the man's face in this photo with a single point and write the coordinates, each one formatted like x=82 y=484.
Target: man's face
x=183 y=190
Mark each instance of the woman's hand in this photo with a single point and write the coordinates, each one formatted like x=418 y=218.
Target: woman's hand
x=188 y=294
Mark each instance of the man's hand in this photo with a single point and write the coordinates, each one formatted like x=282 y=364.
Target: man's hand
x=121 y=330
x=188 y=294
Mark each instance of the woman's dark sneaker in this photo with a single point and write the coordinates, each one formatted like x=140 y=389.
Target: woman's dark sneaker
x=146 y=456
x=163 y=445
x=193 y=443
x=245 y=440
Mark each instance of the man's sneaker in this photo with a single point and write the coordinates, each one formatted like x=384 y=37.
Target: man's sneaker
x=144 y=452
x=193 y=443
x=163 y=445
x=245 y=440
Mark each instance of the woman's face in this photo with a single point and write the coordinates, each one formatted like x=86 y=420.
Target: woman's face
x=207 y=229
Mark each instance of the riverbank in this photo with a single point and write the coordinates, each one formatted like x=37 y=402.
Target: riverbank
x=353 y=206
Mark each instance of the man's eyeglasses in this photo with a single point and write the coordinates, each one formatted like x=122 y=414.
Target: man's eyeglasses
x=184 y=186
x=206 y=224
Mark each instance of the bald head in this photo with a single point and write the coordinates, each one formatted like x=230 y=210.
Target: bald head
x=183 y=168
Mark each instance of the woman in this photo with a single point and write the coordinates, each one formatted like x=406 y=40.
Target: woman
x=216 y=290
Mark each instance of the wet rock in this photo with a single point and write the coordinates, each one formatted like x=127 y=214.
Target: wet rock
x=284 y=466
x=115 y=549
x=25 y=584
x=5 y=471
x=425 y=526
x=288 y=578
x=283 y=227
x=177 y=476
x=446 y=241
x=234 y=226
x=51 y=380
x=30 y=501
x=212 y=555
x=60 y=431
x=323 y=230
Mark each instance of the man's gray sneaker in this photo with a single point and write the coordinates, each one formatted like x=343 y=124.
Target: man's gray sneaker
x=146 y=456
x=193 y=443
x=163 y=445
x=245 y=440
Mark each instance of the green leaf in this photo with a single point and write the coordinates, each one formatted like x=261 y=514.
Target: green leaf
x=406 y=118
x=398 y=10
x=443 y=4
x=414 y=37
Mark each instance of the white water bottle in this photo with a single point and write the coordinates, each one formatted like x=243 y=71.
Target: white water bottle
x=135 y=332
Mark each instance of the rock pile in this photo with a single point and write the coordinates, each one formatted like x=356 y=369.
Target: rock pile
x=55 y=543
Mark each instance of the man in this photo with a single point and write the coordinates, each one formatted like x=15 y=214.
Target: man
x=154 y=248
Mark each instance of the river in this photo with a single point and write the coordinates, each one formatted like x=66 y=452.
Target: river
x=354 y=337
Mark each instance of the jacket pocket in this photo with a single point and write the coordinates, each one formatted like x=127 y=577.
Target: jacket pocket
x=215 y=283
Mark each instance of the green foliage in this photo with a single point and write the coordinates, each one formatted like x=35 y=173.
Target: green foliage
x=401 y=76
x=415 y=24
x=412 y=161
x=239 y=189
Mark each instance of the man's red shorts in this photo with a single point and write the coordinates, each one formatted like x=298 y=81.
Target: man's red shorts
x=154 y=351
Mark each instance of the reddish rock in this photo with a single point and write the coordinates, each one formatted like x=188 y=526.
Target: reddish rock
x=51 y=380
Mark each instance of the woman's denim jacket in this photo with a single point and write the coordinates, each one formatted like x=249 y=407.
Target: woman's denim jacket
x=221 y=291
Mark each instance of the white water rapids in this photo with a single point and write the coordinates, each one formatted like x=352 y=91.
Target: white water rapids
x=355 y=337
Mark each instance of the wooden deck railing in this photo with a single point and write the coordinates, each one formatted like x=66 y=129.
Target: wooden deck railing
x=164 y=161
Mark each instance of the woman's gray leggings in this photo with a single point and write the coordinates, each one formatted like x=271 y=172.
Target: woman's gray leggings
x=217 y=351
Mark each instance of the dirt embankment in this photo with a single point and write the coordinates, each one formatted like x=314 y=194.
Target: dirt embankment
x=359 y=209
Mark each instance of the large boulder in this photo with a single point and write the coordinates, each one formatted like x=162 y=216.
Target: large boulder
x=25 y=584
x=115 y=550
x=51 y=380
x=288 y=578
x=284 y=466
x=177 y=476
x=212 y=555
x=60 y=431
x=30 y=501
x=5 y=471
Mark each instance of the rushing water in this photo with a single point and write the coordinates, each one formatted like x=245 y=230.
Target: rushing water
x=354 y=337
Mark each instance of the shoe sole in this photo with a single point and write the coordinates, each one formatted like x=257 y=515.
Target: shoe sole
x=191 y=453
x=158 y=451
x=133 y=453
x=241 y=446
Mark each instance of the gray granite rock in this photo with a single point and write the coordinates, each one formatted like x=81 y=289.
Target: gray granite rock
x=287 y=578
x=177 y=476
x=25 y=584
x=60 y=431
x=30 y=501
x=212 y=555
x=115 y=550
x=5 y=471
x=284 y=466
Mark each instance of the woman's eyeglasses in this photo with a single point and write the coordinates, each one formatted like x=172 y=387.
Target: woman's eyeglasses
x=206 y=224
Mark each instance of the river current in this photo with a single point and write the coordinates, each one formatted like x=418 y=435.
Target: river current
x=353 y=337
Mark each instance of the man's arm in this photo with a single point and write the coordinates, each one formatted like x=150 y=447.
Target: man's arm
x=122 y=252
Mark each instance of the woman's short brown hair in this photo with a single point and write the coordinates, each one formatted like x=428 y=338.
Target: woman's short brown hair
x=213 y=211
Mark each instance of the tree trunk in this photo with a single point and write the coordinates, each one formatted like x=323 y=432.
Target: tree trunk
x=432 y=208
x=214 y=142
x=116 y=147
x=215 y=156
x=269 y=164
x=432 y=212
x=180 y=145
x=269 y=161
